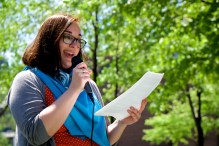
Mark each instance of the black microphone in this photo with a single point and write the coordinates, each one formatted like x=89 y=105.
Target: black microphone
x=75 y=61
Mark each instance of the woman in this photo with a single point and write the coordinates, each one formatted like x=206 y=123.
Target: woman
x=48 y=101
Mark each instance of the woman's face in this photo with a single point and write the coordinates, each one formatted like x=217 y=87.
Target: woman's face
x=68 y=44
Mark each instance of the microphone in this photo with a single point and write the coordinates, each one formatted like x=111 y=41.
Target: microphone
x=75 y=61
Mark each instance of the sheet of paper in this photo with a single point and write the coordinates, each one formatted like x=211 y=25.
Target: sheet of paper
x=132 y=97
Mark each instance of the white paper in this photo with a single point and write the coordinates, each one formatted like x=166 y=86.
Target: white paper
x=132 y=97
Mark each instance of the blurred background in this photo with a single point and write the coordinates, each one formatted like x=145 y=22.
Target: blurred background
x=127 y=38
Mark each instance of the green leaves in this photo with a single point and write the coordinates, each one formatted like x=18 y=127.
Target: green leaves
x=128 y=38
x=172 y=127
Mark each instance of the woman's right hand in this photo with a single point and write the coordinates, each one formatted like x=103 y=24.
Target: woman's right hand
x=81 y=75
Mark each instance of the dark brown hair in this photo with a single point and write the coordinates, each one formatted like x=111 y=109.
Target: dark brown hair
x=44 y=52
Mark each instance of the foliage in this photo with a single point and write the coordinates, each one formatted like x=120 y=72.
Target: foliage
x=188 y=57
x=126 y=38
x=4 y=141
x=172 y=125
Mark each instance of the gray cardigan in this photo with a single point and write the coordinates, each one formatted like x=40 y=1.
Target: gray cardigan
x=26 y=100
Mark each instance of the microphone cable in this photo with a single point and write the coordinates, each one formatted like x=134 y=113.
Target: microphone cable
x=92 y=127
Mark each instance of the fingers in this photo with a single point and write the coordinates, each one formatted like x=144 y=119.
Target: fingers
x=81 y=75
x=81 y=65
x=82 y=70
x=134 y=113
x=143 y=104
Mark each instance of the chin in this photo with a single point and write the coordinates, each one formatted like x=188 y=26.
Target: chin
x=66 y=66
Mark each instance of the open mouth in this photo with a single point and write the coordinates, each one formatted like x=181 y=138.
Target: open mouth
x=69 y=55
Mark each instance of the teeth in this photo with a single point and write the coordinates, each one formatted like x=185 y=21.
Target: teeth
x=69 y=54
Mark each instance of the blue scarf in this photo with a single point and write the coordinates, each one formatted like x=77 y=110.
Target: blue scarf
x=79 y=121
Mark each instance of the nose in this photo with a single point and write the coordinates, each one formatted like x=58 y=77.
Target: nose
x=74 y=44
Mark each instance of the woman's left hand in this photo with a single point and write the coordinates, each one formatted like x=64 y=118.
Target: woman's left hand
x=134 y=113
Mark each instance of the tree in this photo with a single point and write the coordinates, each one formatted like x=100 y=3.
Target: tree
x=186 y=49
x=126 y=39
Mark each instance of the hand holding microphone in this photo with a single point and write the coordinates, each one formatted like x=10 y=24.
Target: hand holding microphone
x=81 y=74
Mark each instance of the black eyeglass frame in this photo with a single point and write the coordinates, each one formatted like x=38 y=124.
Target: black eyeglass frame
x=82 y=42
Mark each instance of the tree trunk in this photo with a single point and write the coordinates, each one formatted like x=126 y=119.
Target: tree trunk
x=217 y=139
x=96 y=41
x=197 y=119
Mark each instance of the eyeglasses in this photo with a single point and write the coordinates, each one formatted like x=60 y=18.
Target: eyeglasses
x=69 y=39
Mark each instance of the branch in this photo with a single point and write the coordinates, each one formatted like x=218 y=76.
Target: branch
x=199 y=103
x=3 y=107
x=96 y=42
x=190 y=104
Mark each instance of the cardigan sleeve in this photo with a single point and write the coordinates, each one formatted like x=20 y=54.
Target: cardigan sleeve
x=26 y=100
x=98 y=94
